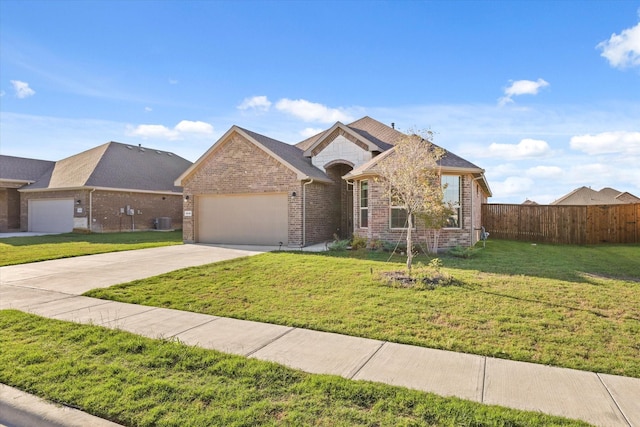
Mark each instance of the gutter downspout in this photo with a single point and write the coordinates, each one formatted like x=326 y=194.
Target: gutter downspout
x=473 y=228
x=304 y=212
x=91 y=209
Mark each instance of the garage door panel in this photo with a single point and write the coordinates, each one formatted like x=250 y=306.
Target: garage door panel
x=243 y=219
x=51 y=216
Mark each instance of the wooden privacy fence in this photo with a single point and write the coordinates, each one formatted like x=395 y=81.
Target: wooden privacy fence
x=580 y=225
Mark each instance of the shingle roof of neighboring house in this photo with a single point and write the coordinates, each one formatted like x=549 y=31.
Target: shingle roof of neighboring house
x=21 y=170
x=587 y=196
x=118 y=166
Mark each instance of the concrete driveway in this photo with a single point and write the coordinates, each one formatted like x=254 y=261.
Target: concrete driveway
x=77 y=275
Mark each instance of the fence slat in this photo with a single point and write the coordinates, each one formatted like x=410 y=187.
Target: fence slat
x=563 y=224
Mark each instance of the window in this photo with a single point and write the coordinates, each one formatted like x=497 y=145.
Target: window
x=398 y=217
x=451 y=185
x=364 y=204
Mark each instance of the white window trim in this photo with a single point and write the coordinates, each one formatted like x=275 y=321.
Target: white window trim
x=458 y=206
x=360 y=208
x=391 y=208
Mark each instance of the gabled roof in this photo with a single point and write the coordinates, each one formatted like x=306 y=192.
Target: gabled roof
x=18 y=171
x=450 y=163
x=289 y=155
x=587 y=196
x=115 y=166
x=371 y=133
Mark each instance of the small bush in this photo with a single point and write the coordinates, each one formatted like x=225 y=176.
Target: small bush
x=358 y=242
x=464 y=252
x=338 y=245
x=376 y=245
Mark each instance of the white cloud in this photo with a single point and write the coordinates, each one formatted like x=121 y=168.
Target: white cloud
x=187 y=126
x=607 y=142
x=153 y=131
x=522 y=87
x=525 y=149
x=22 y=89
x=312 y=112
x=257 y=103
x=622 y=50
x=309 y=132
x=173 y=81
x=512 y=186
x=163 y=132
x=147 y=109
x=545 y=172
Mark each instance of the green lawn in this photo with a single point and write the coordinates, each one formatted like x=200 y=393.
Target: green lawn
x=21 y=250
x=570 y=306
x=143 y=382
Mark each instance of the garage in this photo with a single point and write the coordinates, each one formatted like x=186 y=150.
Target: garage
x=51 y=215
x=247 y=219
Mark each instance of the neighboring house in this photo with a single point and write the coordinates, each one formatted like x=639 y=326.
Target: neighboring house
x=587 y=196
x=529 y=203
x=112 y=187
x=251 y=189
x=16 y=172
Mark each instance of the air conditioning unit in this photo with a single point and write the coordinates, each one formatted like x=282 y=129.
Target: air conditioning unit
x=163 y=223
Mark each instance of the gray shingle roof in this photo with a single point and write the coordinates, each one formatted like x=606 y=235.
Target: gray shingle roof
x=289 y=153
x=119 y=166
x=587 y=196
x=23 y=169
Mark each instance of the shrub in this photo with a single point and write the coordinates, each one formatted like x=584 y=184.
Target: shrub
x=338 y=245
x=358 y=242
x=464 y=252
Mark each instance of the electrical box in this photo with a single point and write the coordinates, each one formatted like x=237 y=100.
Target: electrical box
x=122 y=210
x=131 y=212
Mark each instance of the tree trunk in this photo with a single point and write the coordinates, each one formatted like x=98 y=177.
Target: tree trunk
x=409 y=241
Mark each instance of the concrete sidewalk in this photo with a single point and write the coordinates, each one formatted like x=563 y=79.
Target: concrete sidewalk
x=51 y=289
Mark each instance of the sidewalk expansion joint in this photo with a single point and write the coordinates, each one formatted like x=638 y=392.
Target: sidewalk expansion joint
x=35 y=307
x=107 y=323
x=614 y=401
x=254 y=351
x=213 y=318
x=363 y=364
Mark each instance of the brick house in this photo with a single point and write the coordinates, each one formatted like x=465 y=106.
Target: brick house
x=586 y=196
x=251 y=189
x=15 y=173
x=112 y=187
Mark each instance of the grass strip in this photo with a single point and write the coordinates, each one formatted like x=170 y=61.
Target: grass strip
x=21 y=250
x=138 y=381
x=569 y=306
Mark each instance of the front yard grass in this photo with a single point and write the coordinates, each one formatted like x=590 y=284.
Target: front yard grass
x=569 y=306
x=138 y=381
x=21 y=250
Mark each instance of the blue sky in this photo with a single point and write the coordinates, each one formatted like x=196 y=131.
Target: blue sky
x=545 y=96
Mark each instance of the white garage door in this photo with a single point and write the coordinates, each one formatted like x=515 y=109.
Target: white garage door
x=51 y=216
x=243 y=219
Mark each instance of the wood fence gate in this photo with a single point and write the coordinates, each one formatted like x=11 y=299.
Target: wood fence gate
x=563 y=224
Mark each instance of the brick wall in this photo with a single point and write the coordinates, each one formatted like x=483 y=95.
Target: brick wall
x=237 y=166
x=106 y=205
x=379 y=213
x=9 y=209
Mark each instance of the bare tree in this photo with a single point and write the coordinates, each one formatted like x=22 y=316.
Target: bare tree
x=411 y=175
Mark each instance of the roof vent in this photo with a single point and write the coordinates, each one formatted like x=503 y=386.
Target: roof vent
x=129 y=147
x=169 y=154
x=158 y=152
